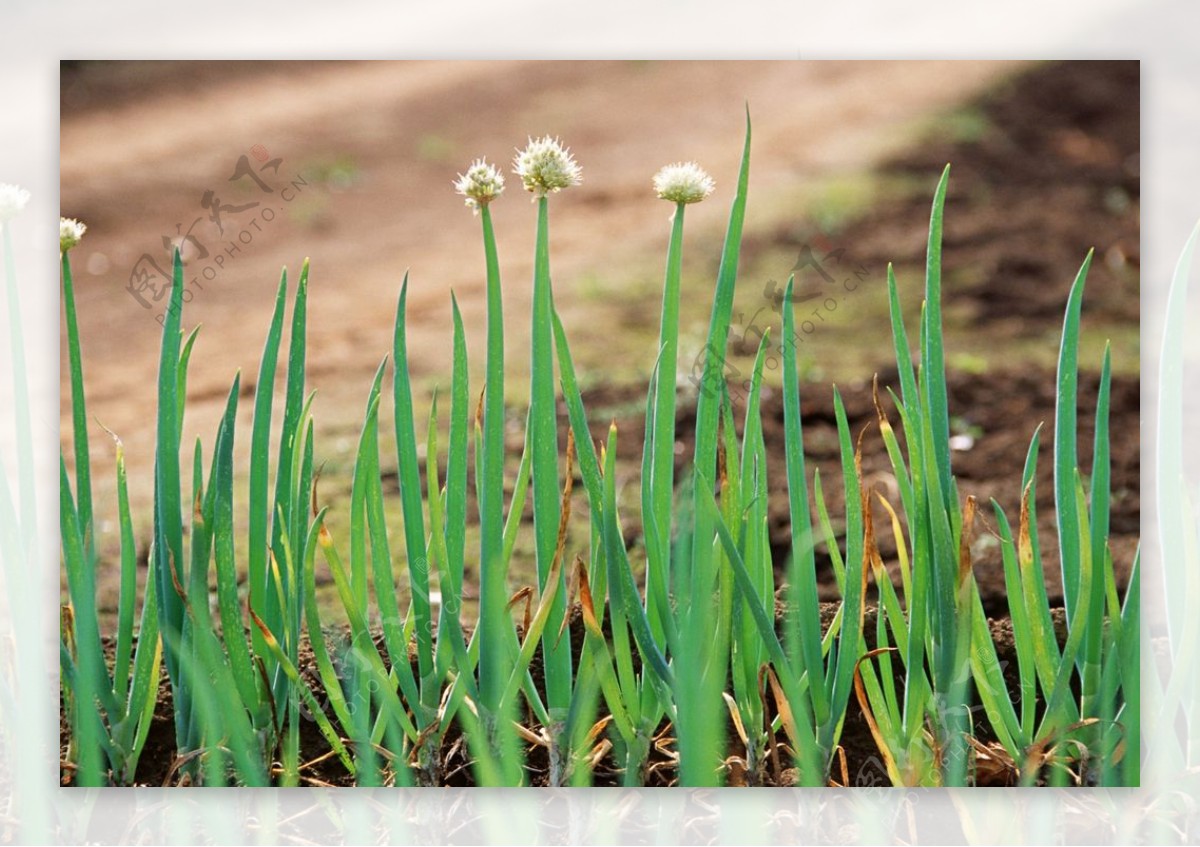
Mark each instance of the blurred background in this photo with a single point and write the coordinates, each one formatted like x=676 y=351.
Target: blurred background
x=251 y=166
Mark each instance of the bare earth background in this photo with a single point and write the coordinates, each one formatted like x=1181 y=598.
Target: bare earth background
x=845 y=159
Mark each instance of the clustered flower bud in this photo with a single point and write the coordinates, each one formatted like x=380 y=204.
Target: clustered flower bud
x=13 y=199
x=481 y=184
x=70 y=231
x=545 y=166
x=683 y=182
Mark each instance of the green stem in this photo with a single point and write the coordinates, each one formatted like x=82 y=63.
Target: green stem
x=544 y=433
x=492 y=649
x=83 y=467
x=662 y=478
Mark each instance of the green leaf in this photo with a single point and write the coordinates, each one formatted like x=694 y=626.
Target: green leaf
x=850 y=638
x=258 y=571
x=287 y=460
x=224 y=543
x=370 y=527
x=708 y=400
x=410 y=487
x=620 y=574
x=933 y=364
x=185 y=356
x=310 y=700
x=1065 y=456
x=362 y=648
x=128 y=597
x=1099 y=516
x=904 y=365
x=168 y=521
x=813 y=760
x=804 y=628
x=81 y=585
x=1024 y=637
x=456 y=460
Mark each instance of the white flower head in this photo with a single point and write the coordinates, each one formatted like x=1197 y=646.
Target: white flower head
x=683 y=182
x=13 y=199
x=481 y=184
x=545 y=166
x=70 y=231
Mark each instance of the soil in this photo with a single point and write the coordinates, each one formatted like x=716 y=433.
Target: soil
x=1010 y=251
x=857 y=764
x=378 y=144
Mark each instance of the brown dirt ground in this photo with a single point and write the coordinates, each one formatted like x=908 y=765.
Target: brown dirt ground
x=379 y=144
